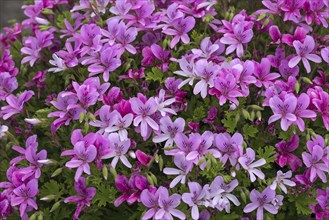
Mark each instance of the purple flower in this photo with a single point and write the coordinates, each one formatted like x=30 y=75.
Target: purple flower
x=185 y=144
x=131 y=189
x=282 y=180
x=109 y=61
x=15 y=104
x=237 y=39
x=117 y=150
x=284 y=155
x=247 y=162
x=262 y=73
x=301 y=111
x=120 y=125
x=180 y=28
x=8 y=84
x=313 y=162
x=207 y=48
x=206 y=71
x=303 y=51
x=24 y=196
x=187 y=70
x=261 y=201
x=322 y=208
x=85 y=195
x=299 y=35
x=230 y=147
x=284 y=110
x=169 y=130
x=39 y=81
x=221 y=194
x=184 y=166
x=86 y=93
x=107 y=118
x=167 y=206
x=194 y=198
x=83 y=155
x=225 y=86
x=144 y=110
x=325 y=54
x=162 y=103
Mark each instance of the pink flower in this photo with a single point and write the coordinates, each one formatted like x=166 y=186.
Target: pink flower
x=303 y=51
x=284 y=155
x=85 y=195
x=284 y=110
x=15 y=104
x=24 y=196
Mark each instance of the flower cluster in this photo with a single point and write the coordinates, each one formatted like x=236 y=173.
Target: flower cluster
x=165 y=109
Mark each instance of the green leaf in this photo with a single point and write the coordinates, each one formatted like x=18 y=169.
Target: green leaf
x=267 y=153
x=249 y=131
x=105 y=195
x=302 y=202
x=52 y=188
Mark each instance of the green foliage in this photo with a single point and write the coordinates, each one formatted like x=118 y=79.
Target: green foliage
x=302 y=202
x=249 y=131
x=267 y=153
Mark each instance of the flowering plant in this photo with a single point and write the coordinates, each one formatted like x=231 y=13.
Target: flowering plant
x=165 y=109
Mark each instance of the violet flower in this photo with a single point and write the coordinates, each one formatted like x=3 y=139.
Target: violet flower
x=237 y=39
x=83 y=155
x=185 y=144
x=282 y=180
x=187 y=70
x=247 y=162
x=143 y=112
x=167 y=206
x=15 y=104
x=117 y=150
x=284 y=110
x=8 y=84
x=229 y=147
x=180 y=28
x=169 y=130
x=162 y=103
x=184 y=166
x=194 y=198
x=261 y=201
x=206 y=71
x=284 y=155
x=313 y=161
x=221 y=194
x=24 y=196
x=83 y=199
x=120 y=125
x=304 y=54
x=325 y=54
x=301 y=111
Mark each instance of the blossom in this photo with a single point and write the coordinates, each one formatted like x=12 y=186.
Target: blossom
x=303 y=51
x=299 y=35
x=230 y=147
x=167 y=206
x=8 y=84
x=143 y=112
x=107 y=119
x=15 y=104
x=284 y=155
x=58 y=63
x=180 y=28
x=221 y=194
x=120 y=124
x=184 y=166
x=261 y=201
x=85 y=195
x=282 y=180
x=118 y=149
x=321 y=209
x=109 y=61
x=162 y=103
x=325 y=54
x=3 y=130
x=185 y=144
x=247 y=162
x=24 y=196
x=237 y=39
x=187 y=70
x=83 y=155
x=206 y=71
x=169 y=130
x=263 y=74
x=194 y=198
x=284 y=110
x=131 y=189
x=313 y=161
x=301 y=111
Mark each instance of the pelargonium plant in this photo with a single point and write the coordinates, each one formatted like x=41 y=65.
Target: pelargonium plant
x=165 y=109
